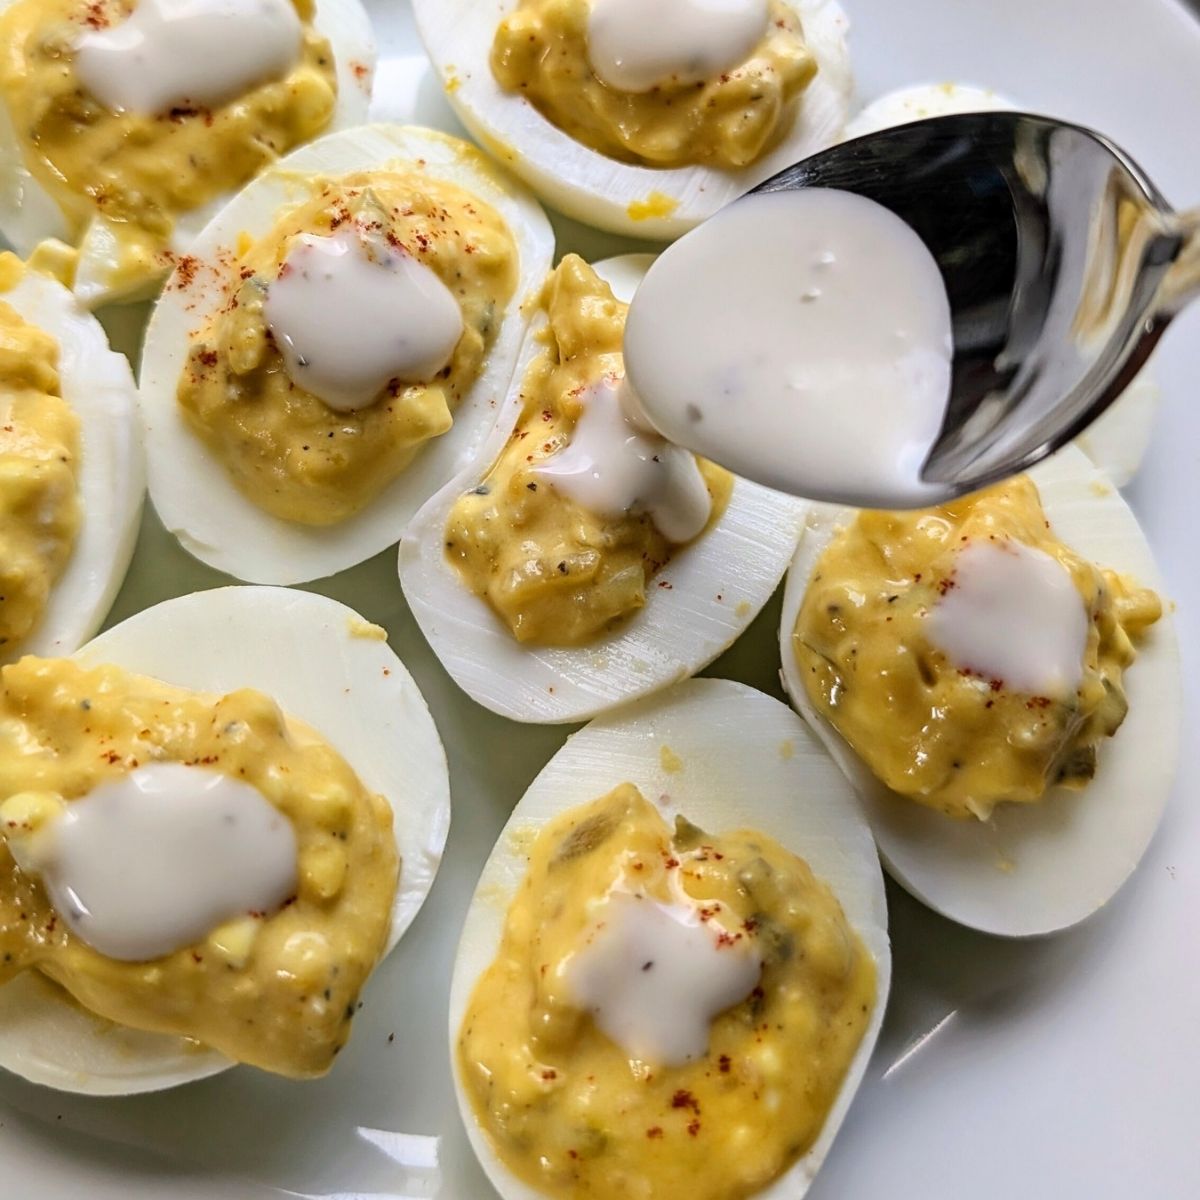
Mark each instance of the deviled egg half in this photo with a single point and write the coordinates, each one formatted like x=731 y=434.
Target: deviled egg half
x=217 y=818
x=999 y=678
x=581 y=561
x=71 y=470
x=124 y=124
x=676 y=962
x=335 y=348
x=643 y=118
x=1118 y=441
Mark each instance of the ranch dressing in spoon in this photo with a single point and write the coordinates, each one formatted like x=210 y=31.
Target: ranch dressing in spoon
x=638 y=45
x=801 y=339
x=169 y=53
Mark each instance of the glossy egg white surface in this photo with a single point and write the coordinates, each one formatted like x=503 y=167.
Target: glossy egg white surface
x=99 y=386
x=747 y=762
x=717 y=585
x=325 y=666
x=190 y=488
x=589 y=186
x=921 y=101
x=1040 y=867
x=29 y=214
x=1118 y=440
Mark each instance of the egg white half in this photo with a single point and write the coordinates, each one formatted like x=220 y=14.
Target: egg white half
x=98 y=386
x=589 y=186
x=747 y=762
x=717 y=586
x=1118 y=440
x=29 y=214
x=317 y=659
x=1032 y=868
x=923 y=100
x=190 y=488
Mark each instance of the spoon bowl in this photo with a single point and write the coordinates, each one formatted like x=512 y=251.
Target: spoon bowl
x=1062 y=261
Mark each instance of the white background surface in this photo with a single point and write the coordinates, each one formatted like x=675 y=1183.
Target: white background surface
x=1057 y=1069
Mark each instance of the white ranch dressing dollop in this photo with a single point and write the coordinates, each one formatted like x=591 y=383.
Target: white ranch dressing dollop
x=169 y=53
x=1012 y=613
x=611 y=467
x=802 y=339
x=349 y=317
x=638 y=45
x=154 y=861
x=654 y=976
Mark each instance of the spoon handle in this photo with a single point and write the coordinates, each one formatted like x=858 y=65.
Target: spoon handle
x=1182 y=283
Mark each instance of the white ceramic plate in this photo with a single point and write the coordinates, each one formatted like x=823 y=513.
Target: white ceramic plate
x=1067 y=1069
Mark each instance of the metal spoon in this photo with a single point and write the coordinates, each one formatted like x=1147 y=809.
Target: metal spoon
x=1063 y=263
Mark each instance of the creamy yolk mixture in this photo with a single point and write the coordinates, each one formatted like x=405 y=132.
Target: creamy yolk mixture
x=730 y=121
x=138 y=173
x=937 y=733
x=572 y=1114
x=40 y=510
x=556 y=573
x=284 y=448
x=276 y=990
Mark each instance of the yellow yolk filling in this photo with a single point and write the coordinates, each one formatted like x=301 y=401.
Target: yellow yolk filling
x=562 y=1105
x=554 y=572
x=138 y=173
x=929 y=731
x=541 y=52
x=284 y=448
x=40 y=512
x=277 y=991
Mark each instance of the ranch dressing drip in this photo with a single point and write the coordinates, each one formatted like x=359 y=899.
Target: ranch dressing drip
x=802 y=339
x=638 y=45
x=170 y=53
x=612 y=466
x=1012 y=613
x=152 y=862
x=654 y=976
x=350 y=315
